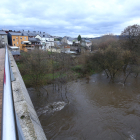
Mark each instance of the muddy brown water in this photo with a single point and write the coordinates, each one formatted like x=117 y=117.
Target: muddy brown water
x=97 y=110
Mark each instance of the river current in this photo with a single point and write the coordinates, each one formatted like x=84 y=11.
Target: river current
x=98 y=110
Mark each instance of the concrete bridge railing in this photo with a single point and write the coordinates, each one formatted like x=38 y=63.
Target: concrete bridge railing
x=29 y=122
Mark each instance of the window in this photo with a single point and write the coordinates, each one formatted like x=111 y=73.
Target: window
x=13 y=39
x=14 y=44
x=16 y=37
x=17 y=42
x=3 y=43
x=2 y=36
x=24 y=37
x=43 y=35
x=20 y=37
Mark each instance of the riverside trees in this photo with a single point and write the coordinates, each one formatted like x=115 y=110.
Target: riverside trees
x=130 y=42
x=34 y=68
x=118 y=55
x=40 y=68
x=130 y=38
x=108 y=59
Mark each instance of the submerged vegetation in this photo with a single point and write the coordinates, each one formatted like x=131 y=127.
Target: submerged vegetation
x=39 y=68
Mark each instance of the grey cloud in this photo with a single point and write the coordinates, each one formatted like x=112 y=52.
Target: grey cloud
x=69 y=17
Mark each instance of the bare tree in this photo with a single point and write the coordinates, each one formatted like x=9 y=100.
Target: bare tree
x=130 y=38
x=130 y=41
x=35 y=67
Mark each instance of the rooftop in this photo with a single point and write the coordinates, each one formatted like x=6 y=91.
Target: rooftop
x=87 y=41
x=34 y=39
x=3 y=33
x=14 y=33
x=35 y=33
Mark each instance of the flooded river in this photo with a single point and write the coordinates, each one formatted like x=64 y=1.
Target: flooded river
x=97 y=110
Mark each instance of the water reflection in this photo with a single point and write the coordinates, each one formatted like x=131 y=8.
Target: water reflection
x=98 y=110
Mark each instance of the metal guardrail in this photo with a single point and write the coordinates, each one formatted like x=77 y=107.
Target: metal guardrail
x=11 y=129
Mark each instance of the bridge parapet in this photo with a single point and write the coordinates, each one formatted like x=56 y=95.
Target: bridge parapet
x=24 y=108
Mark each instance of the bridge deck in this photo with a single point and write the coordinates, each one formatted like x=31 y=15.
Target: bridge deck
x=2 y=60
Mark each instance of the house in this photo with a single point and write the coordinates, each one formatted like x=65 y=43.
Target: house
x=75 y=49
x=3 y=38
x=86 y=43
x=65 y=49
x=56 y=48
x=65 y=40
x=26 y=46
x=69 y=40
x=57 y=44
x=35 y=43
x=16 y=39
x=46 y=40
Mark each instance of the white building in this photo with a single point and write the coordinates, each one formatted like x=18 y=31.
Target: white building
x=46 y=40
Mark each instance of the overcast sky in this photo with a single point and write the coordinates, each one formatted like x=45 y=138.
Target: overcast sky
x=89 y=18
